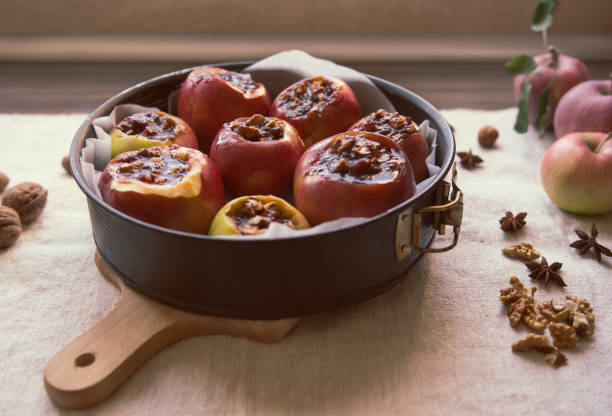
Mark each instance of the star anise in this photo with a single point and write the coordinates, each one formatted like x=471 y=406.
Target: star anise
x=542 y=271
x=587 y=242
x=469 y=160
x=512 y=223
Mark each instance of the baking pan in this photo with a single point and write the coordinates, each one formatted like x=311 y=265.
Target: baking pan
x=255 y=278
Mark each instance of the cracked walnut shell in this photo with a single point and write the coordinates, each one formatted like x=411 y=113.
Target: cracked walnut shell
x=10 y=226
x=524 y=251
x=28 y=199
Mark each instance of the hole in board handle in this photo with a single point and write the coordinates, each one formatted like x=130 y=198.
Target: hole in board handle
x=85 y=359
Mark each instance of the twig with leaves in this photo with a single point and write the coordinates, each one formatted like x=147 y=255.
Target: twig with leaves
x=524 y=64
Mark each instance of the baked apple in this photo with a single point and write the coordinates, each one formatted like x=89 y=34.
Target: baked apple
x=317 y=107
x=257 y=155
x=212 y=96
x=252 y=215
x=403 y=131
x=174 y=187
x=155 y=128
x=352 y=174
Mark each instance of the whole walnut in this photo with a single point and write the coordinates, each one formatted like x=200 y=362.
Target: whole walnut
x=487 y=136
x=28 y=199
x=4 y=180
x=10 y=226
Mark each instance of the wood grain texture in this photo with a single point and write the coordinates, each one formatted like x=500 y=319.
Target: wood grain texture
x=78 y=87
x=97 y=363
x=291 y=16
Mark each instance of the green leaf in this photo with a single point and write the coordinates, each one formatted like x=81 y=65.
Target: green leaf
x=522 y=64
x=522 y=119
x=544 y=111
x=543 y=15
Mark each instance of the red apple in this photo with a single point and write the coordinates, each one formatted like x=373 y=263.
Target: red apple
x=257 y=155
x=576 y=173
x=352 y=174
x=563 y=71
x=317 y=107
x=174 y=187
x=252 y=215
x=212 y=96
x=586 y=107
x=403 y=131
x=155 y=128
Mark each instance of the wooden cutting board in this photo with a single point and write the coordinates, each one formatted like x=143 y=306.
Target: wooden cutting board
x=97 y=363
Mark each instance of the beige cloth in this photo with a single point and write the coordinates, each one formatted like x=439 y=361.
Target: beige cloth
x=439 y=343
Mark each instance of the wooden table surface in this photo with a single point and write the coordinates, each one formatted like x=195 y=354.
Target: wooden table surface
x=81 y=87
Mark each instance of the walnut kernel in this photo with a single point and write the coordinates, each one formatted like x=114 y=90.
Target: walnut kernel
x=534 y=319
x=525 y=251
x=573 y=311
x=556 y=358
x=533 y=341
x=28 y=199
x=563 y=335
x=10 y=226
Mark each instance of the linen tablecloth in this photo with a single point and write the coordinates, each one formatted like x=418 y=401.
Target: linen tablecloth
x=439 y=343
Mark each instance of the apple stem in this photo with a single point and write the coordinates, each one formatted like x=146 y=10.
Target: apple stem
x=545 y=38
x=554 y=56
x=603 y=141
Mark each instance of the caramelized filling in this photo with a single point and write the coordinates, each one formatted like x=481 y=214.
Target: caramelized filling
x=308 y=97
x=153 y=125
x=242 y=81
x=155 y=165
x=392 y=125
x=258 y=128
x=255 y=216
x=355 y=158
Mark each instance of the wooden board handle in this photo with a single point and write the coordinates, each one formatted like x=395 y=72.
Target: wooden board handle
x=98 y=362
x=94 y=365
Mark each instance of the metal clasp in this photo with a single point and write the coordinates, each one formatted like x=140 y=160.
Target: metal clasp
x=447 y=211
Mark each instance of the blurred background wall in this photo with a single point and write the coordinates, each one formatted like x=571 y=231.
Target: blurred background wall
x=401 y=30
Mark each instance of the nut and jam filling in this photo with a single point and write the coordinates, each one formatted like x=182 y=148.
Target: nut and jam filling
x=153 y=125
x=258 y=128
x=154 y=165
x=308 y=97
x=392 y=125
x=242 y=81
x=255 y=216
x=355 y=158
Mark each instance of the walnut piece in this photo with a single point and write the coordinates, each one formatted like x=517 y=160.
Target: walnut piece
x=556 y=358
x=563 y=335
x=520 y=301
x=523 y=250
x=533 y=341
x=534 y=319
x=4 y=180
x=516 y=291
x=10 y=226
x=567 y=321
x=516 y=311
x=573 y=311
x=28 y=199
x=540 y=343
